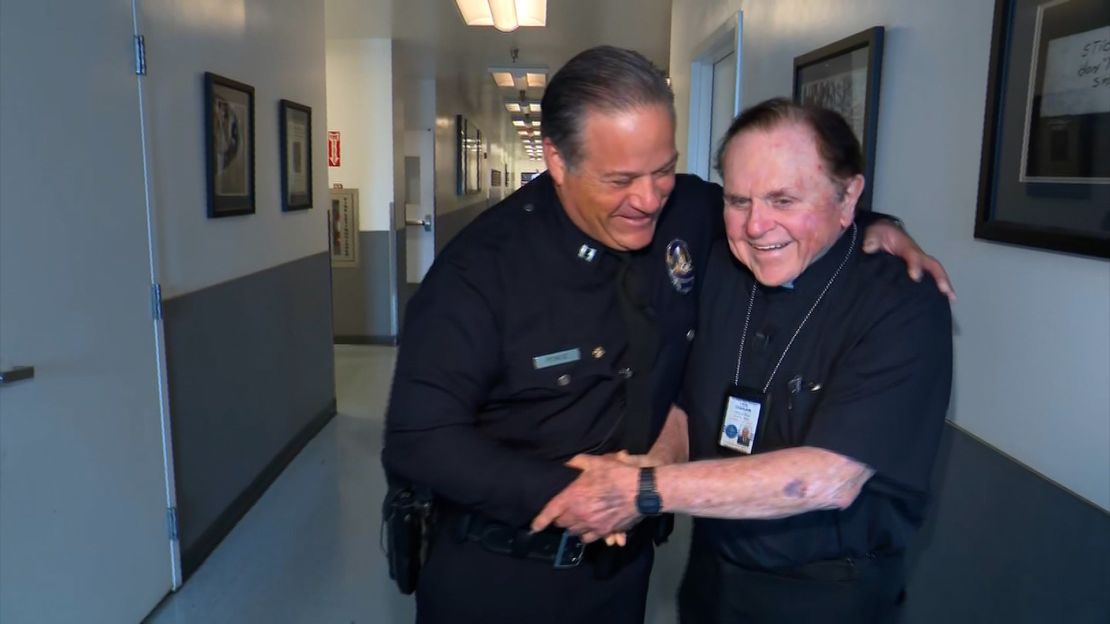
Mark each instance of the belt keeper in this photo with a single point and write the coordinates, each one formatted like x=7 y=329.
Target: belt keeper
x=518 y=547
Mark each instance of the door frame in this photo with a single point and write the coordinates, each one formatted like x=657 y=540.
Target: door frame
x=728 y=38
x=162 y=376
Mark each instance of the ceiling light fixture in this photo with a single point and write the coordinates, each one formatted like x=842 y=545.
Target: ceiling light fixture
x=504 y=15
x=519 y=77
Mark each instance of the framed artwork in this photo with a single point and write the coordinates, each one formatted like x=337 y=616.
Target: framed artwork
x=229 y=145
x=296 y=156
x=343 y=219
x=844 y=76
x=1044 y=178
x=468 y=143
x=494 y=178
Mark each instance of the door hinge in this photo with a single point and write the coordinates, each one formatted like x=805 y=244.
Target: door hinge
x=156 y=301
x=140 y=55
x=171 y=523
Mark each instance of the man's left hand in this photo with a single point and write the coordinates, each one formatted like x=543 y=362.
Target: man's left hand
x=599 y=503
x=885 y=236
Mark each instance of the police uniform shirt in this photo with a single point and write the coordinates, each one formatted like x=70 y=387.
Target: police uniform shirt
x=515 y=355
x=868 y=377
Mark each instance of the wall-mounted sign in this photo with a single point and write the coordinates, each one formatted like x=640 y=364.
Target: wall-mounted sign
x=333 y=148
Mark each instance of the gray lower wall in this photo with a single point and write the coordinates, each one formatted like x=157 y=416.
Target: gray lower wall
x=1003 y=544
x=361 y=295
x=251 y=372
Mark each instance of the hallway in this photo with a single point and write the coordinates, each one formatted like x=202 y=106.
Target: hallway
x=308 y=550
x=308 y=553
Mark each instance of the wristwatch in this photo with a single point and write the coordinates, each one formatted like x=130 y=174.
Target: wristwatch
x=648 y=502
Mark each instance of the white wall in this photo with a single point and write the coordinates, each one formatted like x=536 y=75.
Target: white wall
x=1033 y=327
x=276 y=46
x=360 y=107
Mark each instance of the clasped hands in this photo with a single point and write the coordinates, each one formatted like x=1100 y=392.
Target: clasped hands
x=601 y=502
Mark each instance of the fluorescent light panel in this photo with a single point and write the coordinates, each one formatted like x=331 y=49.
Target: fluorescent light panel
x=504 y=15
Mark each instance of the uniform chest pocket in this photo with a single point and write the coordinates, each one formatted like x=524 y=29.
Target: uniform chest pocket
x=529 y=378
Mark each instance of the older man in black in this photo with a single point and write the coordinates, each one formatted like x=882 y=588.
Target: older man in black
x=557 y=324
x=837 y=364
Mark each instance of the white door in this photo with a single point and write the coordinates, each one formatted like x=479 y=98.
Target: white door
x=83 y=530
x=420 y=211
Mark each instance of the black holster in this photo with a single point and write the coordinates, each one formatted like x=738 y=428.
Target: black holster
x=407 y=517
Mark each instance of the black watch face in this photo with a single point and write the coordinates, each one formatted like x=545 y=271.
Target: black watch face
x=648 y=504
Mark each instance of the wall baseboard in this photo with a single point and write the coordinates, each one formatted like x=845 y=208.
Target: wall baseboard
x=192 y=558
x=389 y=341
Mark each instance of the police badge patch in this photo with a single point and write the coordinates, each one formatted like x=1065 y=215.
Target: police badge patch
x=680 y=266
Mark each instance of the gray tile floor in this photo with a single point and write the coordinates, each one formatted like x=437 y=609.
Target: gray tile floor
x=308 y=551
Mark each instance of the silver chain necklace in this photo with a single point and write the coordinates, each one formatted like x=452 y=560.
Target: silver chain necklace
x=751 y=303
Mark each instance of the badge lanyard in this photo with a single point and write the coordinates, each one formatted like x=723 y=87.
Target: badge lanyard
x=743 y=406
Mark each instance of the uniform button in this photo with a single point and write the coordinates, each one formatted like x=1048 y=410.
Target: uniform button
x=599 y=352
x=529 y=207
x=563 y=380
x=625 y=372
x=690 y=336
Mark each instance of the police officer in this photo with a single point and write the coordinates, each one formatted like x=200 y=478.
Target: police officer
x=837 y=366
x=556 y=324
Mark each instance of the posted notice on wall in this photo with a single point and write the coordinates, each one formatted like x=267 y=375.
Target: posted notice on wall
x=1077 y=74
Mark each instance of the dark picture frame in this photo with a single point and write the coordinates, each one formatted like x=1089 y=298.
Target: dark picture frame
x=845 y=76
x=296 y=155
x=468 y=155
x=1044 y=178
x=229 y=146
x=460 y=155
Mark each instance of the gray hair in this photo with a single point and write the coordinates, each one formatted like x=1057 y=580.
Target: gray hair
x=601 y=79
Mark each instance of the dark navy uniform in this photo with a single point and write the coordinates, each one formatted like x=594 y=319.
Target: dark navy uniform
x=867 y=377
x=516 y=356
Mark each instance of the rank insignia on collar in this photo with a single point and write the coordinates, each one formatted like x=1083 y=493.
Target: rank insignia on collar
x=680 y=266
x=587 y=253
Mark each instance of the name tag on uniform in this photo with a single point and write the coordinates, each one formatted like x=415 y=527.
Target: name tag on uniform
x=743 y=408
x=555 y=359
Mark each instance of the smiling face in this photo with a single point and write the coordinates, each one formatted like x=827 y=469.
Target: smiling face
x=623 y=177
x=783 y=210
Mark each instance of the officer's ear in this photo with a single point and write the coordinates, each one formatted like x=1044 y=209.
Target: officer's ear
x=556 y=165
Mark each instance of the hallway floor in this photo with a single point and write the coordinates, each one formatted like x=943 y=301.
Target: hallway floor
x=308 y=551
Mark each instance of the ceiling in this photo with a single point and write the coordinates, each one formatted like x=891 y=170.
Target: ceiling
x=431 y=41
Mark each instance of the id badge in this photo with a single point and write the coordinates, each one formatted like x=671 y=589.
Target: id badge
x=740 y=425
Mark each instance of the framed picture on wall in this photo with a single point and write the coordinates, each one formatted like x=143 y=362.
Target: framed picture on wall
x=229 y=145
x=1044 y=178
x=343 y=219
x=844 y=76
x=468 y=154
x=296 y=155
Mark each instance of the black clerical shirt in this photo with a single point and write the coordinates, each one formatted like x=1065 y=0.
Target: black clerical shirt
x=868 y=377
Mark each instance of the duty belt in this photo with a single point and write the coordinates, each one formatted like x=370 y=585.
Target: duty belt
x=551 y=545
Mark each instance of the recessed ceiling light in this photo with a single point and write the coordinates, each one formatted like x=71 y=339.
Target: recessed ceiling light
x=512 y=107
x=537 y=80
x=536 y=108
x=519 y=123
x=503 y=79
x=505 y=15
